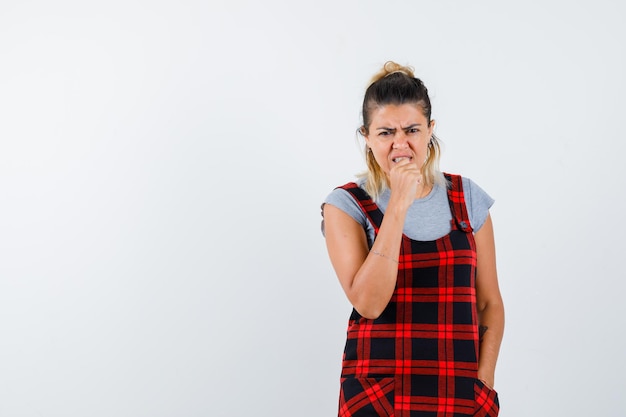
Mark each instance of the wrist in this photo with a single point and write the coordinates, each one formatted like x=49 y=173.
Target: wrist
x=397 y=206
x=486 y=375
x=488 y=381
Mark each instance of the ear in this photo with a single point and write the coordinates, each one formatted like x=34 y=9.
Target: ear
x=431 y=127
x=364 y=134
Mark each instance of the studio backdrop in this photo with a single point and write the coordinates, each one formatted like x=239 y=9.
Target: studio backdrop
x=163 y=163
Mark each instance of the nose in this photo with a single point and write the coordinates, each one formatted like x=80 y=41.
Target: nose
x=400 y=140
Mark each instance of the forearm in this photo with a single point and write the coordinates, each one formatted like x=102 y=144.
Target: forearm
x=491 y=330
x=375 y=281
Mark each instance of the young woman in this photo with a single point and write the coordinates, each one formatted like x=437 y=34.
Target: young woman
x=414 y=251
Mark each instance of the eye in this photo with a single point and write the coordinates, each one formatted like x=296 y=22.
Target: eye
x=384 y=133
x=412 y=130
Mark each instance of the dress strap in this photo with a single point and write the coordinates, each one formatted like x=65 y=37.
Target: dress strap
x=368 y=206
x=456 y=198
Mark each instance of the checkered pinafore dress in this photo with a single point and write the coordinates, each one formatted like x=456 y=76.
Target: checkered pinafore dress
x=420 y=357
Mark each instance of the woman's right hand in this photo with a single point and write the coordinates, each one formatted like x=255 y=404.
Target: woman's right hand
x=405 y=180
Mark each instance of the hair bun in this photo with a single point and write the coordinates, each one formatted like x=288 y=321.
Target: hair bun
x=392 y=67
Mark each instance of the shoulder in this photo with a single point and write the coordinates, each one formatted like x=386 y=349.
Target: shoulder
x=469 y=186
x=339 y=196
x=343 y=193
x=353 y=191
x=473 y=191
x=477 y=201
x=343 y=198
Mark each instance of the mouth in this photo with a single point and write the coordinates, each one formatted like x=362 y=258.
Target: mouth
x=400 y=158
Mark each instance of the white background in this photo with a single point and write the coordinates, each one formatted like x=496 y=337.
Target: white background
x=162 y=164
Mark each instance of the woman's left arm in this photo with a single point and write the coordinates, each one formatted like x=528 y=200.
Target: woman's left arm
x=489 y=303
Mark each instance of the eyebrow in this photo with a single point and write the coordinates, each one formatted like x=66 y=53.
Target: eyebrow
x=403 y=128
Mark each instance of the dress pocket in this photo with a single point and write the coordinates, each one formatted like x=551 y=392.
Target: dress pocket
x=366 y=397
x=486 y=400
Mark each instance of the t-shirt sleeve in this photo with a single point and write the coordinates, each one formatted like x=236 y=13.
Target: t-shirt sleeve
x=343 y=200
x=478 y=203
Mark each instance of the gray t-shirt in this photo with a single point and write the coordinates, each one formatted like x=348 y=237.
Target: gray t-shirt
x=427 y=219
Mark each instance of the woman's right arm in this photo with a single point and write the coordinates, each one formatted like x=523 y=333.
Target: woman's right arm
x=368 y=277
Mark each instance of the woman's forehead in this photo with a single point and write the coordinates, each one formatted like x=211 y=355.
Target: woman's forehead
x=399 y=114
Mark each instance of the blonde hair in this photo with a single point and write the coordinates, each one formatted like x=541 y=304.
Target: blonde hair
x=396 y=84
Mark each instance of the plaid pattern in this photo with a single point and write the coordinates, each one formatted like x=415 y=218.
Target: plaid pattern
x=487 y=403
x=420 y=357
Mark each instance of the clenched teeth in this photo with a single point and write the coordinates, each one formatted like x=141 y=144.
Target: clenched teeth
x=400 y=158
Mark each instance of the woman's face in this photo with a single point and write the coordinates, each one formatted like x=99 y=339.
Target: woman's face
x=399 y=131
